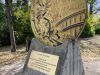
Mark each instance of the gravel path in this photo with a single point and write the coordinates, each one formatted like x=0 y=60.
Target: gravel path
x=90 y=49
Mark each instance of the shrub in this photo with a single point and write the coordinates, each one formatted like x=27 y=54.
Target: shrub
x=4 y=32
x=97 y=29
x=22 y=26
x=89 y=29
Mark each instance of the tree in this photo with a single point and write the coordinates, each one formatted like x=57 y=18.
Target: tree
x=25 y=2
x=23 y=28
x=87 y=14
x=8 y=4
x=91 y=2
x=93 y=9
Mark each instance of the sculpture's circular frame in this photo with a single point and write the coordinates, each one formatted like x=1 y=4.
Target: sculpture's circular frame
x=55 y=21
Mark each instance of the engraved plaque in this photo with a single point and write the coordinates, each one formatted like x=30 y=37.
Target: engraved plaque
x=55 y=21
x=43 y=62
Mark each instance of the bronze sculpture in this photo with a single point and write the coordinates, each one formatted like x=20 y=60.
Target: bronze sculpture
x=55 y=21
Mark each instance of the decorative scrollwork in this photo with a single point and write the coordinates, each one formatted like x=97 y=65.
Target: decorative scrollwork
x=53 y=21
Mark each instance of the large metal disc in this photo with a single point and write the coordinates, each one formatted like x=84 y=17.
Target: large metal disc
x=55 y=21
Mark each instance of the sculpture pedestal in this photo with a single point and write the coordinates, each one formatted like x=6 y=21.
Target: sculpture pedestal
x=69 y=63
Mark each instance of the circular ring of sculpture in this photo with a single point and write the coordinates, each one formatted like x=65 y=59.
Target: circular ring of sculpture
x=55 y=21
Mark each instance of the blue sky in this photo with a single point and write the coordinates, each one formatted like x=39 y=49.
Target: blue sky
x=98 y=5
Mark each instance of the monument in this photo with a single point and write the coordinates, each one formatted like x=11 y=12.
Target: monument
x=56 y=24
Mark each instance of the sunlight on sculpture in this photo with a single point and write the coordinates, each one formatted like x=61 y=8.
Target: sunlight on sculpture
x=55 y=21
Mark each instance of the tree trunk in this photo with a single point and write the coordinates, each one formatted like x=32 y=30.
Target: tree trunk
x=10 y=24
x=91 y=8
x=18 y=2
x=87 y=9
x=27 y=43
x=25 y=2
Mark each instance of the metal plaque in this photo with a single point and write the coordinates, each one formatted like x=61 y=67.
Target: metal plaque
x=43 y=63
x=55 y=21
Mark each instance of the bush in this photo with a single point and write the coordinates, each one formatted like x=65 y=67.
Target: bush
x=89 y=29
x=97 y=29
x=22 y=26
x=4 y=32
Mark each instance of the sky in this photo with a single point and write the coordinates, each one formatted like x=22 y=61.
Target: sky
x=98 y=5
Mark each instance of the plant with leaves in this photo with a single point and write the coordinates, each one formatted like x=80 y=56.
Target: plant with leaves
x=4 y=34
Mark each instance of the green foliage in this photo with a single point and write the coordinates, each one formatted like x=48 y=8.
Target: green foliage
x=22 y=24
x=4 y=33
x=89 y=29
x=97 y=26
x=97 y=29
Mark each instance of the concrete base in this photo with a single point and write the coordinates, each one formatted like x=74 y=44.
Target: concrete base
x=70 y=62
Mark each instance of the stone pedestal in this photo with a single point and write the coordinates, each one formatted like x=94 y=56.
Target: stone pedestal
x=70 y=62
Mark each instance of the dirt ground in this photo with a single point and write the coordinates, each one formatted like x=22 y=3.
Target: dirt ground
x=90 y=51
x=11 y=63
